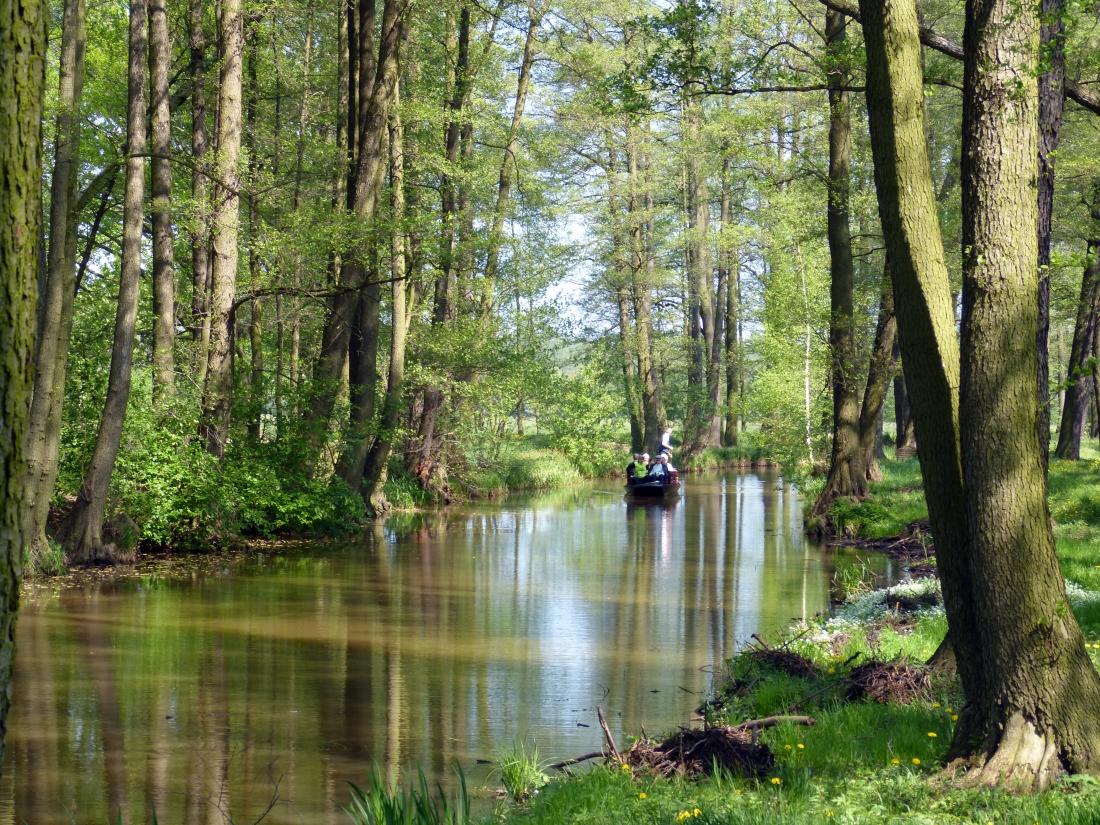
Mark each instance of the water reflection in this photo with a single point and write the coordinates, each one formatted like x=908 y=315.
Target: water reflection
x=431 y=638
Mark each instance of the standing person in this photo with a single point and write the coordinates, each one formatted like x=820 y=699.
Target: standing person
x=666 y=442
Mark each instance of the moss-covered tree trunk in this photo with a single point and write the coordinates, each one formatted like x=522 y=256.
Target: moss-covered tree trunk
x=1079 y=386
x=44 y=425
x=200 y=235
x=922 y=297
x=22 y=72
x=1036 y=711
x=847 y=475
x=82 y=532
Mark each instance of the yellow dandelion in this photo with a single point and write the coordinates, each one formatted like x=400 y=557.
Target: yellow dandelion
x=776 y=780
x=738 y=792
x=931 y=734
x=828 y=813
x=895 y=761
x=916 y=761
x=696 y=812
x=955 y=718
x=947 y=710
x=832 y=670
x=801 y=747
x=626 y=767
x=641 y=796
x=786 y=747
x=935 y=704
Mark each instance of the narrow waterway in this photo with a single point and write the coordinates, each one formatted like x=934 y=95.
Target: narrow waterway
x=430 y=640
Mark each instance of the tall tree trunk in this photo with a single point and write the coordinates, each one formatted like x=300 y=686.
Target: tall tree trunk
x=164 y=269
x=22 y=75
x=703 y=376
x=256 y=323
x=905 y=442
x=444 y=309
x=374 y=102
x=508 y=163
x=642 y=277
x=200 y=234
x=217 y=404
x=878 y=379
x=374 y=473
x=82 y=532
x=1034 y=714
x=847 y=475
x=1052 y=101
x=44 y=425
x=731 y=267
x=1079 y=386
x=922 y=297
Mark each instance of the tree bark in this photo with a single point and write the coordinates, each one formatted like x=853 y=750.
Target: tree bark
x=1081 y=372
x=1052 y=101
x=256 y=322
x=164 y=269
x=44 y=425
x=731 y=265
x=82 y=532
x=22 y=75
x=200 y=233
x=922 y=298
x=374 y=473
x=847 y=473
x=878 y=379
x=642 y=268
x=1034 y=714
x=374 y=102
x=217 y=404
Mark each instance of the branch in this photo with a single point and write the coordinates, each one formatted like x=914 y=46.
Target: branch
x=1076 y=92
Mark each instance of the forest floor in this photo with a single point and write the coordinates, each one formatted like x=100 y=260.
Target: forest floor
x=882 y=721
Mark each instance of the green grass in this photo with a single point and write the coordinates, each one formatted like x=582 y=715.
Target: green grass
x=717 y=458
x=412 y=804
x=521 y=771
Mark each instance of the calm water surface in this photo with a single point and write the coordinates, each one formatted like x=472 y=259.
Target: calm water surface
x=428 y=640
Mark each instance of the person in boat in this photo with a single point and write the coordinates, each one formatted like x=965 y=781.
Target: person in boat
x=630 y=469
x=659 y=472
x=666 y=442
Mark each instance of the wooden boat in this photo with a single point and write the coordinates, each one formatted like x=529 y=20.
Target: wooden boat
x=653 y=490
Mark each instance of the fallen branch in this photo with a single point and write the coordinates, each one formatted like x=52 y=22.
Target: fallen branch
x=772 y=721
x=607 y=733
x=566 y=762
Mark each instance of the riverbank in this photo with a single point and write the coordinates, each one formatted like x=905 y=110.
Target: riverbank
x=862 y=730
x=895 y=518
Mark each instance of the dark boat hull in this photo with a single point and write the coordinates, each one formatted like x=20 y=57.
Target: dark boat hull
x=653 y=490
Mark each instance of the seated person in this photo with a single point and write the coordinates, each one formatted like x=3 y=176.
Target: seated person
x=630 y=469
x=646 y=463
x=659 y=471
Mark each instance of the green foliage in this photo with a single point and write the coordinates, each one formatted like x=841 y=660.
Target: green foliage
x=717 y=458
x=582 y=423
x=402 y=490
x=521 y=771
x=414 y=804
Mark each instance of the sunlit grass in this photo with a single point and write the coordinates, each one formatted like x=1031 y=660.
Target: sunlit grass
x=521 y=771
x=380 y=803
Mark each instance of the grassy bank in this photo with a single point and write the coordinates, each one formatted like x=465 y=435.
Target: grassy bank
x=1074 y=494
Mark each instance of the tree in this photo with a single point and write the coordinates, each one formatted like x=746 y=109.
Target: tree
x=82 y=532
x=44 y=426
x=1020 y=653
x=847 y=473
x=22 y=74
x=217 y=397
x=164 y=269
